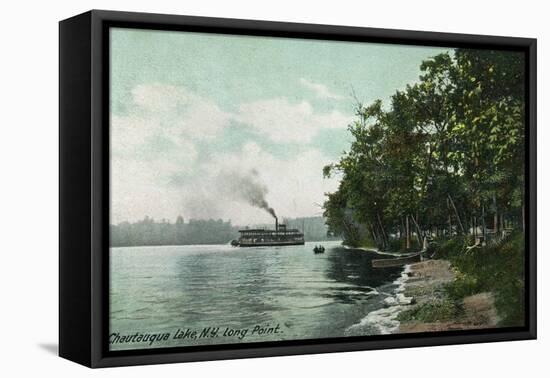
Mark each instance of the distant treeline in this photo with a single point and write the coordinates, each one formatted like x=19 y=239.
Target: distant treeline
x=150 y=232
x=163 y=232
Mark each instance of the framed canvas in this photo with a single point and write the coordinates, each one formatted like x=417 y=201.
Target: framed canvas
x=234 y=188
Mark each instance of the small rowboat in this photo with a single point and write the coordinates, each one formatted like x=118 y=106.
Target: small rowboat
x=319 y=249
x=403 y=260
x=398 y=261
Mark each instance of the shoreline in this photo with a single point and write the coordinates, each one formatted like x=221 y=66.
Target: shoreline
x=422 y=285
x=425 y=286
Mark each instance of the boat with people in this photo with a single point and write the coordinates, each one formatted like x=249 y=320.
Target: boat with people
x=318 y=249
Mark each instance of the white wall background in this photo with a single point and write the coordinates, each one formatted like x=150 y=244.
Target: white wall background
x=29 y=188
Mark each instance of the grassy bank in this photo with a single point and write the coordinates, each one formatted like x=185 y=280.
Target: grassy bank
x=495 y=269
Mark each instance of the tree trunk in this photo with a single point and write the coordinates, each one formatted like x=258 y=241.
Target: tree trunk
x=418 y=231
x=483 y=231
x=384 y=236
x=456 y=214
x=449 y=219
x=495 y=217
x=347 y=227
x=408 y=232
x=373 y=233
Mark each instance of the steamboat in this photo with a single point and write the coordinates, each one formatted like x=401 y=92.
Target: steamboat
x=261 y=237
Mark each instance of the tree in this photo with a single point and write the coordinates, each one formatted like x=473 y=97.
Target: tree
x=447 y=153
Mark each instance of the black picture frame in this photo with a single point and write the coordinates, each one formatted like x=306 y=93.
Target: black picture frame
x=84 y=187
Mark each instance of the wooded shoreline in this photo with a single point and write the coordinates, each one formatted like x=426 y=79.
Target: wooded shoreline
x=443 y=159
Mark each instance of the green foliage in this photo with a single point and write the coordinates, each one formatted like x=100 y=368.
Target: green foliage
x=439 y=310
x=451 y=248
x=498 y=269
x=456 y=136
x=462 y=287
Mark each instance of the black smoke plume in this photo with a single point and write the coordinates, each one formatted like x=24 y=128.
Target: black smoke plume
x=246 y=186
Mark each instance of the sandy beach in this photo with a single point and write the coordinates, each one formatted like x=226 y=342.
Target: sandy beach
x=425 y=284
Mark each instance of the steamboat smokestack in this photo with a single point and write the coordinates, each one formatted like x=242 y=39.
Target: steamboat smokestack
x=276 y=224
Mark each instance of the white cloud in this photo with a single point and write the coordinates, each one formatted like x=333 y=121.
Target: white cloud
x=180 y=109
x=157 y=142
x=320 y=90
x=158 y=97
x=283 y=121
x=128 y=133
x=140 y=188
x=180 y=113
x=154 y=143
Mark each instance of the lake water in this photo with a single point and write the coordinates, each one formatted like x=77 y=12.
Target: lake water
x=243 y=294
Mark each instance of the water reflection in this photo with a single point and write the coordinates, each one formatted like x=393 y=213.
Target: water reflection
x=354 y=267
x=309 y=295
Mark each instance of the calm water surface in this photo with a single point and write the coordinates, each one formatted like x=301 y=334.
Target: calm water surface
x=163 y=289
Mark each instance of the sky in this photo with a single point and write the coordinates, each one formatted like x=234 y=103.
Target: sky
x=199 y=120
